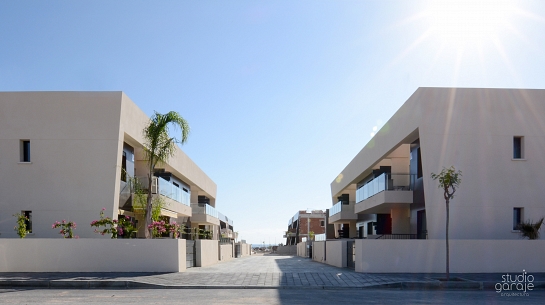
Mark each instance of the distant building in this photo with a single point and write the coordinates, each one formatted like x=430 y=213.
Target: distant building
x=304 y=222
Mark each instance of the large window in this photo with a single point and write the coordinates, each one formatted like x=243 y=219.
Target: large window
x=25 y=150
x=518 y=147
x=517 y=218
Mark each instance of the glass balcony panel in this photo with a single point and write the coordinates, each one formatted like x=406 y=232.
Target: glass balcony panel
x=391 y=182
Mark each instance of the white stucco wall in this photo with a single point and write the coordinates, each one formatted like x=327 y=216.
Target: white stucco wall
x=466 y=256
x=92 y=255
x=207 y=252
x=336 y=253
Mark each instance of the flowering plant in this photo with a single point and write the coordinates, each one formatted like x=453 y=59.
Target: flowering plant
x=21 y=228
x=66 y=228
x=122 y=227
x=161 y=227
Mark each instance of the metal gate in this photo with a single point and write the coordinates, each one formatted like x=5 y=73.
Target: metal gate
x=237 y=250
x=350 y=254
x=190 y=253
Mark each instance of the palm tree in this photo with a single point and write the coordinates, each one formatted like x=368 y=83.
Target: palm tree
x=449 y=179
x=159 y=147
x=530 y=230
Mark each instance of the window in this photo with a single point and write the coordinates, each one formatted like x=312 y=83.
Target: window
x=25 y=150
x=517 y=217
x=322 y=223
x=28 y=221
x=124 y=167
x=518 y=147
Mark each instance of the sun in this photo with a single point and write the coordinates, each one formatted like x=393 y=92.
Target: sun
x=465 y=22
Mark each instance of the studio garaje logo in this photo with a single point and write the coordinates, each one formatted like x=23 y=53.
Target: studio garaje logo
x=515 y=285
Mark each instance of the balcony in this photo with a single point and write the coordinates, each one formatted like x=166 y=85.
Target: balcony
x=342 y=211
x=225 y=219
x=227 y=233
x=205 y=214
x=176 y=200
x=385 y=192
x=173 y=192
x=290 y=233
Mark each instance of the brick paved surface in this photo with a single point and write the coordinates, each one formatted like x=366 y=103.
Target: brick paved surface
x=247 y=272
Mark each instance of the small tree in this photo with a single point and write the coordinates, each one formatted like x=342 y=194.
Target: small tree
x=449 y=179
x=21 y=227
x=530 y=230
x=159 y=147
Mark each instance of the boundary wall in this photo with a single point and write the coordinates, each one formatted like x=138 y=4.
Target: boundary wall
x=207 y=252
x=466 y=256
x=92 y=255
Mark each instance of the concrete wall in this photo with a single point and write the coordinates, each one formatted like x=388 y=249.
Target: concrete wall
x=287 y=250
x=207 y=252
x=336 y=253
x=302 y=249
x=245 y=249
x=226 y=252
x=92 y=255
x=466 y=256
x=318 y=251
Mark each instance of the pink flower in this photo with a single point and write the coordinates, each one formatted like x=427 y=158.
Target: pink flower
x=104 y=209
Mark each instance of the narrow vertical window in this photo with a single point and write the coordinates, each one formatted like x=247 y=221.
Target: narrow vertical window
x=28 y=221
x=518 y=147
x=517 y=218
x=25 y=151
x=124 y=167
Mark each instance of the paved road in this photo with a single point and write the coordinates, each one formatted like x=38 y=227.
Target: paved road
x=280 y=272
x=262 y=296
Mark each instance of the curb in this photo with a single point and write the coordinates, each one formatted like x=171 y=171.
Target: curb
x=112 y=284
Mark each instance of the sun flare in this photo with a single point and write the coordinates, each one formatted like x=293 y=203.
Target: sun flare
x=465 y=22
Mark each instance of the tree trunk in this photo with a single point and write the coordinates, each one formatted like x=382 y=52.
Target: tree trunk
x=447 y=201
x=147 y=230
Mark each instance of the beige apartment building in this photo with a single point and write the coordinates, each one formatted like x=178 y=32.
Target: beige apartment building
x=67 y=155
x=496 y=137
x=386 y=199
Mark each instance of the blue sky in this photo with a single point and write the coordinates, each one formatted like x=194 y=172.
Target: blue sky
x=280 y=95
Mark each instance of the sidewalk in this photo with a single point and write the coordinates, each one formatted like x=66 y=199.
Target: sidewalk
x=256 y=272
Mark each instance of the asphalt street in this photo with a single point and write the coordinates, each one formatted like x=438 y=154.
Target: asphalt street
x=262 y=296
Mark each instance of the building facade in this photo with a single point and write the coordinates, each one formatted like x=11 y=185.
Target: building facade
x=304 y=222
x=67 y=155
x=496 y=137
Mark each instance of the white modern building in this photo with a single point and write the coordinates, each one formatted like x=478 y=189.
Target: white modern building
x=67 y=155
x=496 y=137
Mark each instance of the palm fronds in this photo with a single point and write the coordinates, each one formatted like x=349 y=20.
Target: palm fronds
x=530 y=230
